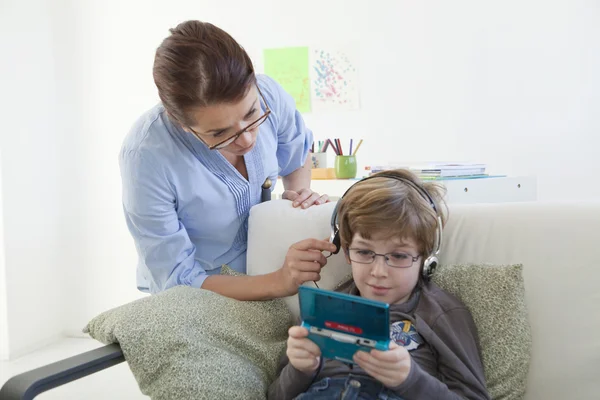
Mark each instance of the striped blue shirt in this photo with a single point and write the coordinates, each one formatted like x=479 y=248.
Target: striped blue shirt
x=187 y=206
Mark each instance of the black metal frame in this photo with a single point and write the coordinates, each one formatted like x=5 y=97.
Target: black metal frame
x=29 y=384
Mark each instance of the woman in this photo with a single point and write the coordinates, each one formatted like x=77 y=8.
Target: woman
x=194 y=165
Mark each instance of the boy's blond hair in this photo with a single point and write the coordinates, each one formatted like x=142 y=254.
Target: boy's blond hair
x=393 y=207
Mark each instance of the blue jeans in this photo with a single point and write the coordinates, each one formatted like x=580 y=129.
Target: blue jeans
x=350 y=388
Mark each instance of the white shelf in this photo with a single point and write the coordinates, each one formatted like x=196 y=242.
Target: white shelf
x=463 y=191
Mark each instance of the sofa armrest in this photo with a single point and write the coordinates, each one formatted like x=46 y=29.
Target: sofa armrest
x=29 y=384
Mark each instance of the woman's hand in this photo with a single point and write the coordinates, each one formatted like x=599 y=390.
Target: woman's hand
x=389 y=367
x=303 y=263
x=303 y=353
x=304 y=198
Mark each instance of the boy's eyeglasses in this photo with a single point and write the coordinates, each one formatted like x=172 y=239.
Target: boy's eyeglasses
x=394 y=260
x=224 y=143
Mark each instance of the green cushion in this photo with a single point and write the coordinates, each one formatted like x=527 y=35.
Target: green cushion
x=495 y=295
x=188 y=343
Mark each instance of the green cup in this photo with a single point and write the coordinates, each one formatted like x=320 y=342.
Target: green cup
x=345 y=167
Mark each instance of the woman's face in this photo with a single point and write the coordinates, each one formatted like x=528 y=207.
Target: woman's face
x=219 y=122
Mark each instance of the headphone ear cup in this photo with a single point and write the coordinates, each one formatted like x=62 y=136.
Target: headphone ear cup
x=429 y=267
x=335 y=232
x=337 y=242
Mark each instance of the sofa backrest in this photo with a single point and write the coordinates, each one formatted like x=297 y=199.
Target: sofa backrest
x=559 y=247
x=558 y=244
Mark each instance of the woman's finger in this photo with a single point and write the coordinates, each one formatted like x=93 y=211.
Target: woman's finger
x=311 y=200
x=322 y=260
x=303 y=196
x=314 y=244
x=322 y=200
x=308 y=277
x=289 y=195
x=310 y=255
x=300 y=266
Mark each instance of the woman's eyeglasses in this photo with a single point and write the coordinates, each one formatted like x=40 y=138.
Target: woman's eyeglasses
x=224 y=143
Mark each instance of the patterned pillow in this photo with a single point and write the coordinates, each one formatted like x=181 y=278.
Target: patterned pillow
x=188 y=343
x=495 y=295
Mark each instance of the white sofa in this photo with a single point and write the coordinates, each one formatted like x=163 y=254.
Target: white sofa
x=558 y=244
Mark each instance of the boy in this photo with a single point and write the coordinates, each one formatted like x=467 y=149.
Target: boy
x=388 y=226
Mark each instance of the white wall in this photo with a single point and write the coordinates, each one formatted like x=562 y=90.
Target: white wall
x=4 y=344
x=32 y=178
x=513 y=84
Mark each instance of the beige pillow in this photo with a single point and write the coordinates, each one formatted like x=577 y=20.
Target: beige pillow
x=495 y=295
x=188 y=343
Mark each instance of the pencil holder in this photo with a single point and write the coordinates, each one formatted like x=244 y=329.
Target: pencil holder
x=345 y=167
x=319 y=160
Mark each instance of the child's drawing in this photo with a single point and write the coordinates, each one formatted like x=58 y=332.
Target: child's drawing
x=334 y=80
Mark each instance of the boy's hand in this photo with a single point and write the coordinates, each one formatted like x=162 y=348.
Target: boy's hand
x=303 y=263
x=303 y=353
x=389 y=367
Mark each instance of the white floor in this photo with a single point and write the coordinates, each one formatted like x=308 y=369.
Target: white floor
x=113 y=383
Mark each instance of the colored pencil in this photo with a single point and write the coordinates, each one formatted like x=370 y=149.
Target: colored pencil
x=357 y=147
x=332 y=146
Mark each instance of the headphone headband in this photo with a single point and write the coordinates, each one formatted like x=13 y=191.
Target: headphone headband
x=431 y=261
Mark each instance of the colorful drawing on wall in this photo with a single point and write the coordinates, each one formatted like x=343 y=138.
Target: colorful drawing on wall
x=289 y=66
x=334 y=80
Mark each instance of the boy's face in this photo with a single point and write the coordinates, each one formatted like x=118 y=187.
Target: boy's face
x=378 y=280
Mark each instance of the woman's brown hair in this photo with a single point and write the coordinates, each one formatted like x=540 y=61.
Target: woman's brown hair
x=392 y=207
x=198 y=65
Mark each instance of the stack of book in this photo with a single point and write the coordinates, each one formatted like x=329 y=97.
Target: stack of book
x=449 y=170
x=440 y=170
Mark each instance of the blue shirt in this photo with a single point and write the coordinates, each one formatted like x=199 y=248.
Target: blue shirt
x=186 y=206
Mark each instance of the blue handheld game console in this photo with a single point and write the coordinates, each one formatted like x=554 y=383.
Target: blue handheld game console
x=341 y=324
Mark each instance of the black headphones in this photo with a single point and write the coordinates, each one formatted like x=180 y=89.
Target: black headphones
x=431 y=262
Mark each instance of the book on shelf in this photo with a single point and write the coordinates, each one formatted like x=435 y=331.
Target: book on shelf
x=439 y=170
x=448 y=169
